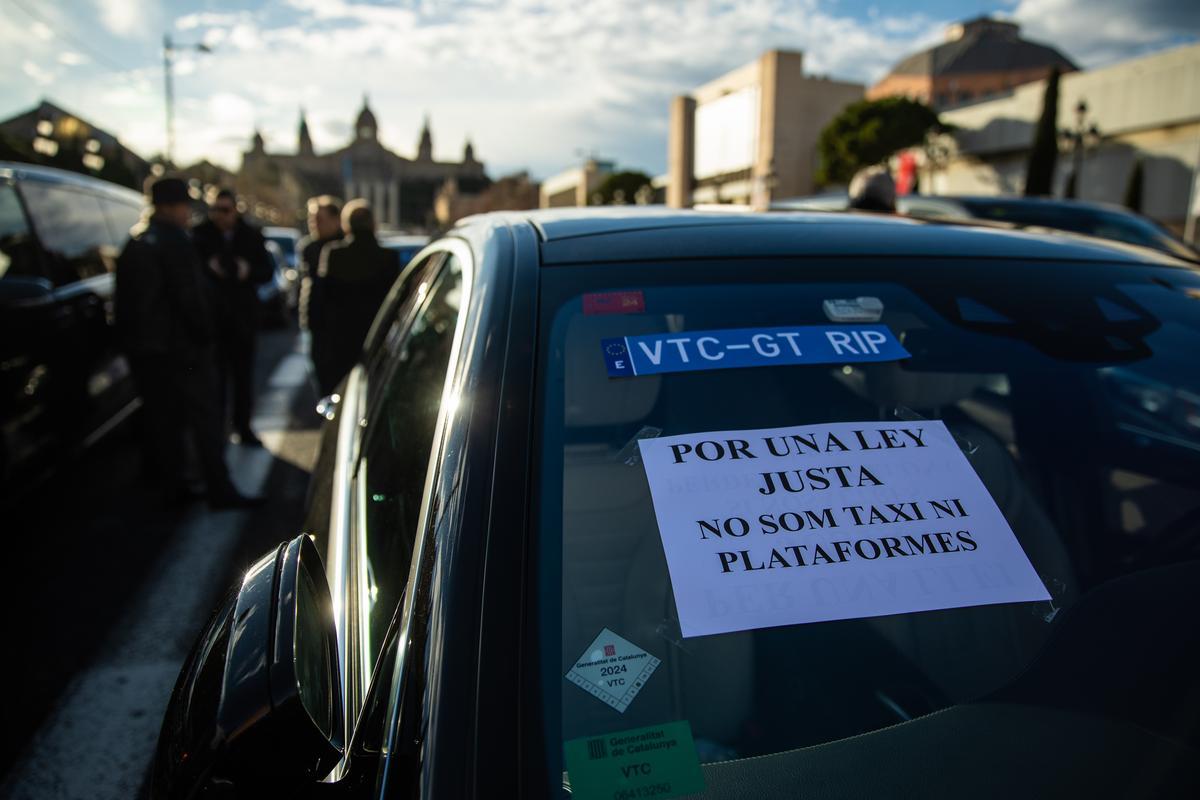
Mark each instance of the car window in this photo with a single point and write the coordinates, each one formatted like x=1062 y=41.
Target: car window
x=406 y=295
x=122 y=217
x=18 y=253
x=398 y=441
x=72 y=229
x=1071 y=401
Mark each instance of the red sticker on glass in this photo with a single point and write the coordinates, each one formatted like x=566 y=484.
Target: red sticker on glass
x=614 y=303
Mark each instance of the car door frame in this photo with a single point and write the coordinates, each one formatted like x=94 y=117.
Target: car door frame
x=463 y=600
x=345 y=554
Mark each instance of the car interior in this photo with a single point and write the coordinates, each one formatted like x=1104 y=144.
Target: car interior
x=766 y=705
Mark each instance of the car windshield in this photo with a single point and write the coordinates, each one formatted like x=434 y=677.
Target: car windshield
x=957 y=548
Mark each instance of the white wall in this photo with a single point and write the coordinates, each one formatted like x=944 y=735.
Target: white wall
x=1147 y=107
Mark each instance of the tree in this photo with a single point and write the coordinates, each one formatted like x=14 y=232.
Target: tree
x=1039 y=174
x=620 y=188
x=868 y=132
x=1133 y=189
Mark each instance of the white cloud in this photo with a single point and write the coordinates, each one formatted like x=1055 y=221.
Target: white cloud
x=1097 y=32
x=531 y=81
x=37 y=74
x=124 y=18
x=208 y=19
x=71 y=59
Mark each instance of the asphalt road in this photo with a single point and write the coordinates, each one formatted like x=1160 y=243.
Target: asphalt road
x=105 y=590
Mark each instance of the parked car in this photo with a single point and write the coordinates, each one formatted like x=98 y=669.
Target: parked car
x=487 y=535
x=407 y=245
x=286 y=239
x=1091 y=219
x=274 y=296
x=63 y=382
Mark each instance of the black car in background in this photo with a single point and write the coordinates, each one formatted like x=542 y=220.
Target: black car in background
x=1091 y=219
x=63 y=383
x=1101 y=220
x=481 y=529
x=406 y=245
x=287 y=276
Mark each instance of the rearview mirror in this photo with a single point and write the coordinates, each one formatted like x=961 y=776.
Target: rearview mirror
x=258 y=704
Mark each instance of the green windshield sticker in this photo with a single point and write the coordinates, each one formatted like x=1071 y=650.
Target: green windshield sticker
x=658 y=761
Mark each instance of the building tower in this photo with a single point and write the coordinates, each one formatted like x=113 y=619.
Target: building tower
x=365 y=127
x=305 y=146
x=425 y=147
x=257 y=145
x=469 y=153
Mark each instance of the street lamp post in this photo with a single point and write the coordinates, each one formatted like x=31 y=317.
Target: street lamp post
x=169 y=49
x=1080 y=138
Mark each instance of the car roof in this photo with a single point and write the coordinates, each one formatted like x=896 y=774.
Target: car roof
x=626 y=233
x=403 y=240
x=32 y=172
x=1035 y=202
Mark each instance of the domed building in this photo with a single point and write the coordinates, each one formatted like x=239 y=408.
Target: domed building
x=401 y=190
x=980 y=58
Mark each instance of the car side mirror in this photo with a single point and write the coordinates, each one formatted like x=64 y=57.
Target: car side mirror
x=258 y=704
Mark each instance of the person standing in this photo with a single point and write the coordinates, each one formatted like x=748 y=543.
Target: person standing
x=353 y=278
x=324 y=226
x=164 y=322
x=235 y=255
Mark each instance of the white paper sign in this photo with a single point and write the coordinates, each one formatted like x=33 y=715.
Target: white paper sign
x=613 y=669
x=813 y=523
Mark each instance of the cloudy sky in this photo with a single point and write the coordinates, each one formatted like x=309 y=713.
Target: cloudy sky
x=534 y=83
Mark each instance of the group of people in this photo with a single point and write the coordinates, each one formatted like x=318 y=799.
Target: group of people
x=346 y=274
x=187 y=314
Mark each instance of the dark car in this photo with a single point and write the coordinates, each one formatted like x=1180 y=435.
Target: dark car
x=288 y=274
x=275 y=296
x=63 y=382
x=405 y=245
x=1090 y=219
x=979 y=580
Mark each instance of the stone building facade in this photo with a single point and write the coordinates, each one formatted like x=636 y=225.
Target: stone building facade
x=401 y=190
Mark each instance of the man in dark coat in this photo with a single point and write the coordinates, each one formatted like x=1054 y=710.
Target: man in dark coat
x=235 y=255
x=353 y=279
x=165 y=324
x=325 y=226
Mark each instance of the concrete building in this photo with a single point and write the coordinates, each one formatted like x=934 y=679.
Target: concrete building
x=574 y=187
x=1146 y=109
x=400 y=189
x=750 y=136
x=980 y=58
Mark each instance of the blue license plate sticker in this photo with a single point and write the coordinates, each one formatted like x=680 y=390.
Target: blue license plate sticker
x=734 y=348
